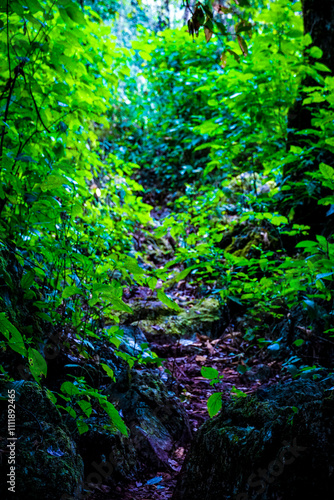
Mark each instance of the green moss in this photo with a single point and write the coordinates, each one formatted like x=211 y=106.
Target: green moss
x=201 y=318
x=252 y=435
x=48 y=465
x=145 y=310
x=42 y=474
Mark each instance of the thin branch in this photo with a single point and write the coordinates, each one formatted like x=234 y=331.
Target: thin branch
x=37 y=110
x=8 y=52
x=3 y=133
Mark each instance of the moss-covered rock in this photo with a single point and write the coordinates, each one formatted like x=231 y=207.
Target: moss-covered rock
x=47 y=463
x=277 y=445
x=145 y=310
x=203 y=317
x=243 y=239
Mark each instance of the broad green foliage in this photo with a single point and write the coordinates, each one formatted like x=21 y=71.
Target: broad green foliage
x=88 y=129
x=214 y=403
x=235 y=113
x=249 y=130
x=15 y=340
x=66 y=209
x=154 y=124
x=250 y=100
x=80 y=396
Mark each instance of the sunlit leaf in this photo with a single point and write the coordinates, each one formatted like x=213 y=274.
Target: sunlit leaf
x=167 y=301
x=208 y=372
x=214 y=403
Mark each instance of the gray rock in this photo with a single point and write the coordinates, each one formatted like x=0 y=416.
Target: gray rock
x=258 y=372
x=279 y=445
x=154 y=415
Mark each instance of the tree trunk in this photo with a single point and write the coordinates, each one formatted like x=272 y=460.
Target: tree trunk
x=319 y=23
x=318 y=18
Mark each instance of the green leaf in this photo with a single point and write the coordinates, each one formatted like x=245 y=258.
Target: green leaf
x=307 y=244
x=321 y=67
x=316 y=52
x=277 y=220
x=86 y=407
x=119 y=305
x=298 y=342
x=145 y=55
x=322 y=241
x=237 y=393
x=327 y=171
x=109 y=371
x=82 y=426
x=15 y=340
x=152 y=282
x=329 y=200
x=132 y=266
x=52 y=182
x=71 y=290
x=38 y=366
x=214 y=403
x=221 y=27
x=27 y=280
x=45 y=317
x=34 y=6
x=242 y=369
x=114 y=416
x=234 y=54
x=71 y=411
x=167 y=301
x=208 y=372
x=51 y=396
x=75 y=14
x=183 y=274
x=69 y=388
x=330 y=141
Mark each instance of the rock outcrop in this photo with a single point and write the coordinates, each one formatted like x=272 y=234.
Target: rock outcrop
x=277 y=444
x=47 y=464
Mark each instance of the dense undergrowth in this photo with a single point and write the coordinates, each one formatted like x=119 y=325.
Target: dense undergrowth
x=94 y=135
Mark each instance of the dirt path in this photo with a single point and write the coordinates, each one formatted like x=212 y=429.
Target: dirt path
x=184 y=361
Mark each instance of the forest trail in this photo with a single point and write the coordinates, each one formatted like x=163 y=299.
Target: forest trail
x=195 y=391
x=184 y=359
